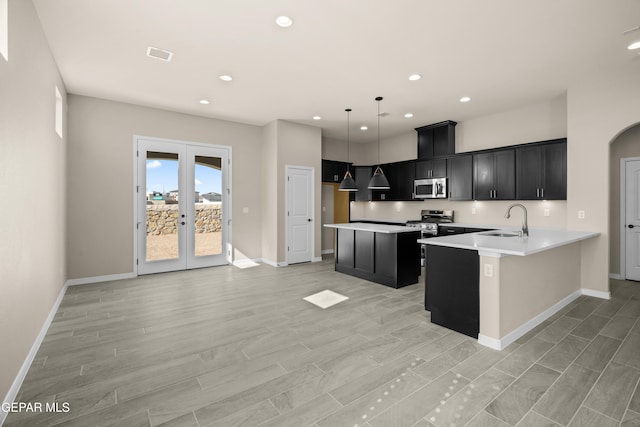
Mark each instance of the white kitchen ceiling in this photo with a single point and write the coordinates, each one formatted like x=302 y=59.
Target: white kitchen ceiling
x=337 y=54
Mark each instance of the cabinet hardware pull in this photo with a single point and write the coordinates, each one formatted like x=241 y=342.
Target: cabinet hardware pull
x=537 y=192
x=542 y=192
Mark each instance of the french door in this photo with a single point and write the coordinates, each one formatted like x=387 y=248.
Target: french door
x=182 y=218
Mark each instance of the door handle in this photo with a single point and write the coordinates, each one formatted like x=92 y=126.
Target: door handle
x=631 y=226
x=182 y=223
x=308 y=219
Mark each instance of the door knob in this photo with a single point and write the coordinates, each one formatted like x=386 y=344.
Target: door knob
x=309 y=219
x=630 y=225
x=183 y=223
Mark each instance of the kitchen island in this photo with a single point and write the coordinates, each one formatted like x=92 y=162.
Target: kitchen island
x=381 y=253
x=498 y=285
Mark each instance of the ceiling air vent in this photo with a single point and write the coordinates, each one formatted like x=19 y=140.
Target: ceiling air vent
x=154 y=52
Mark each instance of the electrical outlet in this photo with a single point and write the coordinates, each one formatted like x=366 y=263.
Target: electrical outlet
x=245 y=210
x=324 y=209
x=488 y=270
x=580 y=214
x=547 y=212
x=473 y=211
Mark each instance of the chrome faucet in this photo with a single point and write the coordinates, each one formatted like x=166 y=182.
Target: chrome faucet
x=525 y=226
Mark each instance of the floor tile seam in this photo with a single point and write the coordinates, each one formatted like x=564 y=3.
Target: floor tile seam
x=540 y=415
x=636 y=389
x=595 y=382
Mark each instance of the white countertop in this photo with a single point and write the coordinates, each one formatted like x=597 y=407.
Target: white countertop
x=377 y=228
x=539 y=240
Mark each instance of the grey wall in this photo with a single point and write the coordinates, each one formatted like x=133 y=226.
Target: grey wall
x=101 y=179
x=32 y=184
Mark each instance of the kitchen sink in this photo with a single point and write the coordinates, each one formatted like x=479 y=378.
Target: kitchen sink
x=500 y=234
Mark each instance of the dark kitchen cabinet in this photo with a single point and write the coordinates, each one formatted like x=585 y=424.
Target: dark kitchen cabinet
x=400 y=176
x=362 y=177
x=542 y=172
x=333 y=171
x=391 y=259
x=445 y=230
x=494 y=175
x=437 y=140
x=460 y=177
x=452 y=288
x=436 y=168
x=401 y=182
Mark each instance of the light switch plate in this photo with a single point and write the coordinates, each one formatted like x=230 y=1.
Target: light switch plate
x=547 y=212
x=580 y=214
x=245 y=210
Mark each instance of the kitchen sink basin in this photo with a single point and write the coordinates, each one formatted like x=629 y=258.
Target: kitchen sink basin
x=501 y=234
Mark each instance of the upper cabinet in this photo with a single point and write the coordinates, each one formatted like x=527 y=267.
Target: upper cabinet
x=400 y=176
x=436 y=168
x=437 y=140
x=460 y=174
x=542 y=172
x=333 y=171
x=494 y=175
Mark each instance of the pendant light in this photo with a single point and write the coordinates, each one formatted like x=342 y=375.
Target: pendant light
x=378 y=180
x=348 y=184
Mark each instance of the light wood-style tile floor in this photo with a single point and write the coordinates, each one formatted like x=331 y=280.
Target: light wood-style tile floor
x=239 y=347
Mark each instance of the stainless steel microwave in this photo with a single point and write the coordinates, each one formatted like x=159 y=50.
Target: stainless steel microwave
x=431 y=188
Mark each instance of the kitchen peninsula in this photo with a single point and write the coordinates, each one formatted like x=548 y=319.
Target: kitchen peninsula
x=497 y=285
x=381 y=253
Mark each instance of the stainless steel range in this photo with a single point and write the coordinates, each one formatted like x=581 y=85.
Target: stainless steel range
x=428 y=225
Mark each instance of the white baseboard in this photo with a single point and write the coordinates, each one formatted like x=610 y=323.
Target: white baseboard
x=97 y=279
x=615 y=276
x=502 y=343
x=597 y=294
x=22 y=373
x=326 y=251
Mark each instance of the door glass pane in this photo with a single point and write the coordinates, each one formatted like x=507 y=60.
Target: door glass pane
x=208 y=205
x=162 y=206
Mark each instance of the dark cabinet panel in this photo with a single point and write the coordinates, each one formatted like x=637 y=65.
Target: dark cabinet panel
x=444 y=230
x=385 y=253
x=460 y=173
x=364 y=251
x=333 y=171
x=402 y=182
x=555 y=172
x=436 y=168
x=400 y=176
x=505 y=175
x=542 y=172
x=494 y=175
x=344 y=248
x=362 y=177
x=436 y=140
x=452 y=288
x=392 y=259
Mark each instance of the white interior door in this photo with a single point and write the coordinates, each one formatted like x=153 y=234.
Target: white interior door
x=182 y=218
x=299 y=214
x=632 y=220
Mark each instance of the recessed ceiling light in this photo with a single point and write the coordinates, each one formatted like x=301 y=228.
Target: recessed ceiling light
x=204 y=102
x=226 y=78
x=633 y=46
x=414 y=77
x=363 y=128
x=408 y=115
x=465 y=99
x=317 y=117
x=284 y=21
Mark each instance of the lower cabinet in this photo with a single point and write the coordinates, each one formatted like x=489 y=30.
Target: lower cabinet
x=391 y=259
x=452 y=288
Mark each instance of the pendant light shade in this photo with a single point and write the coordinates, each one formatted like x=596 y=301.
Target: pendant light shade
x=348 y=184
x=378 y=180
